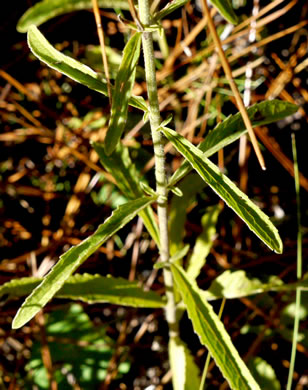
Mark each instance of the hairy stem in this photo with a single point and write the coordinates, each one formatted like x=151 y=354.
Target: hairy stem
x=160 y=173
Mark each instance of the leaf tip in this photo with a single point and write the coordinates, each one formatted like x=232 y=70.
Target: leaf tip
x=279 y=248
x=18 y=321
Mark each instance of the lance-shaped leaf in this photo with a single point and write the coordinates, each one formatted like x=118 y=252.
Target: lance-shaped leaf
x=190 y=187
x=237 y=284
x=123 y=88
x=255 y=219
x=213 y=334
x=119 y=291
x=225 y=9
x=185 y=371
x=204 y=241
x=70 y=67
x=120 y=165
x=48 y=9
x=228 y=285
x=90 y=289
x=233 y=128
x=170 y=7
x=74 y=257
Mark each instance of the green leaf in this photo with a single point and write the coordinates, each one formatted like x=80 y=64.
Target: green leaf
x=91 y=289
x=225 y=9
x=264 y=374
x=204 y=241
x=212 y=333
x=255 y=219
x=68 y=66
x=48 y=9
x=230 y=285
x=233 y=128
x=237 y=284
x=180 y=254
x=189 y=187
x=74 y=257
x=16 y=288
x=123 y=88
x=186 y=372
x=170 y=7
x=118 y=291
x=120 y=165
x=78 y=349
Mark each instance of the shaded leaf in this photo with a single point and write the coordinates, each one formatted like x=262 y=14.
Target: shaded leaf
x=233 y=128
x=70 y=67
x=204 y=241
x=120 y=165
x=264 y=374
x=91 y=289
x=255 y=219
x=225 y=9
x=185 y=371
x=48 y=9
x=170 y=7
x=212 y=333
x=78 y=349
x=190 y=186
x=74 y=257
x=122 y=91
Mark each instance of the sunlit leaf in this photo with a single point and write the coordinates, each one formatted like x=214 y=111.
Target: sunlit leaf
x=255 y=219
x=225 y=9
x=91 y=289
x=122 y=92
x=237 y=284
x=120 y=165
x=204 y=241
x=228 y=285
x=70 y=67
x=212 y=333
x=96 y=288
x=170 y=7
x=74 y=257
x=185 y=371
x=48 y=9
x=233 y=127
x=16 y=288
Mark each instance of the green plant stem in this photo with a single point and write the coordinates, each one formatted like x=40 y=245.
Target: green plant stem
x=160 y=172
x=299 y=265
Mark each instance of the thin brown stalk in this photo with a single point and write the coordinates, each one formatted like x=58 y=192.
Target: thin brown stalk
x=134 y=14
x=228 y=73
x=101 y=38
